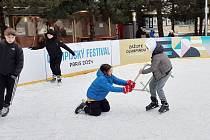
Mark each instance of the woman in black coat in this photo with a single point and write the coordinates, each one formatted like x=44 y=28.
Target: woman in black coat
x=53 y=46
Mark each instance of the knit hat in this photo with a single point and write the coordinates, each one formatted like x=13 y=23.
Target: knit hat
x=151 y=44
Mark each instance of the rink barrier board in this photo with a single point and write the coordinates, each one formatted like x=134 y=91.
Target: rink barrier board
x=63 y=76
x=116 y=53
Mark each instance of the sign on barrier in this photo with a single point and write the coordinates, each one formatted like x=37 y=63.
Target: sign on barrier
x=88 y=55
x=133 y=51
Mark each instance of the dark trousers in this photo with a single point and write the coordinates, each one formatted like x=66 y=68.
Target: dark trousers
x=95 y=108
x=55 y=63
x=9 y=84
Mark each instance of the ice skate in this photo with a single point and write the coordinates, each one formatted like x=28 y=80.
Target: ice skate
x=164 y=107
x=81 y=107
x=153 y=104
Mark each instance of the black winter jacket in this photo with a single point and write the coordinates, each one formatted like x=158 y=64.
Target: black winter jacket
x=53 y=47
x=11 y=59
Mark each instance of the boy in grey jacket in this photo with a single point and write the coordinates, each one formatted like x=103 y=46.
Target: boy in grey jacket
x=161 y=68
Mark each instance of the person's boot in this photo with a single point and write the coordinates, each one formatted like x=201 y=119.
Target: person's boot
x=80 y=107
x=59 y=80
x=153 y=104
x=4 y=112
x=164 y=107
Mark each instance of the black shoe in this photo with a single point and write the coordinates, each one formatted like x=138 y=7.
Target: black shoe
x=153 y=104
x=80 y=108
x=4 y=112
x=164 y=107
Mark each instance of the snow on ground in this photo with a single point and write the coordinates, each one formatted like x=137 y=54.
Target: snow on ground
x=46 y=112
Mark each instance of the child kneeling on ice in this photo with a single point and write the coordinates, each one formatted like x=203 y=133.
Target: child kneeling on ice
x=99 y=89
x=161 y=68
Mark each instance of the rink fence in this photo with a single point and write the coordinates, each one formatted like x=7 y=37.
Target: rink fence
x=90 y=55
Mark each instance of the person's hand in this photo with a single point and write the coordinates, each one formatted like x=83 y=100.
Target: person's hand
x=140 y=71
x=131 y=83
x=127 y=89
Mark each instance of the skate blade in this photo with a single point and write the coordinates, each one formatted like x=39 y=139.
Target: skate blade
x=152 y=108
x=164 y=111
x=78 y=110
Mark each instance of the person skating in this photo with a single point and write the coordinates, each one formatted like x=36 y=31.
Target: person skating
x=53 y=46
x=11 y=65
x=161 y=68
x=96 y=95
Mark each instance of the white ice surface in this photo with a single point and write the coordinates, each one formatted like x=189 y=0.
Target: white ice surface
x=46 y=112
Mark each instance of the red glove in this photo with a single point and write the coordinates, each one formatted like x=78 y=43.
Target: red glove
x=131 y=84
x=127 y=89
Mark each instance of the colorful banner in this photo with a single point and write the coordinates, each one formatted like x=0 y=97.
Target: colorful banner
x=186 y=46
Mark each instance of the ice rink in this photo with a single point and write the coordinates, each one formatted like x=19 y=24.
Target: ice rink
x=45 y=111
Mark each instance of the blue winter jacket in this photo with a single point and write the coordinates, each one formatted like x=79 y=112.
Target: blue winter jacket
x=102 y=85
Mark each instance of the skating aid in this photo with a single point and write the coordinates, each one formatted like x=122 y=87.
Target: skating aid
x=144 y=86
x=140 y=74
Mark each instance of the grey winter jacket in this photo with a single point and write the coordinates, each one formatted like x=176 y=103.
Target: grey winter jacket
x=161 y=64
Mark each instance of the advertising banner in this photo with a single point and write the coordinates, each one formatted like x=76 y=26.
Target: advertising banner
x=89 y=55
x=133 y=51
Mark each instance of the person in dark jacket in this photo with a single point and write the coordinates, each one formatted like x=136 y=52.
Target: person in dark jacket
x=161 y=68
x=53 y=46
x=171 y=33
x=11 y=64
x=100 y=88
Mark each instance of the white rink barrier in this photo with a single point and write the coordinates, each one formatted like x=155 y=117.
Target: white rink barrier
x=34 y=66
x=90 y=55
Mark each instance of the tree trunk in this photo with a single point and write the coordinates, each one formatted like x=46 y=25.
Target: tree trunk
x=160 y=19
x=173 y=24
x=92 y=30
x=172 y=18
x=201 y=25
x=2 y=23
x=139 y=18
x=196 y=26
